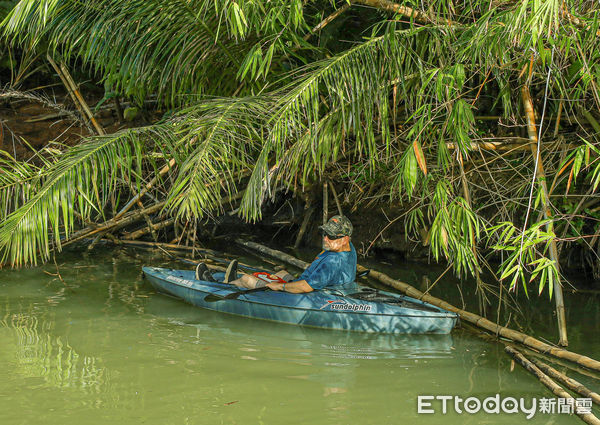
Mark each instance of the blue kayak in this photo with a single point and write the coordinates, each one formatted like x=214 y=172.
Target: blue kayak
x=364 y=310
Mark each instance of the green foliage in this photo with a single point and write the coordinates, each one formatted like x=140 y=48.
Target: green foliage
x=392 y=113
x=177 y=49
x=454 y=231
x=80 y=179
x=527 y=260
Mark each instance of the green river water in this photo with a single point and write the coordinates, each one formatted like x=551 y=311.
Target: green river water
x=104 y=348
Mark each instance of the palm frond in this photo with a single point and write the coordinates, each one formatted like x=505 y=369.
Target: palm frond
x=175 y=48
x=218 y=137
x=81 y=179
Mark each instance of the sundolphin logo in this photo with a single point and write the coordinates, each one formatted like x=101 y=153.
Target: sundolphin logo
x=345 y=306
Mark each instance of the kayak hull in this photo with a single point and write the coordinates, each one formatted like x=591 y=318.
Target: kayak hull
x=316 y=309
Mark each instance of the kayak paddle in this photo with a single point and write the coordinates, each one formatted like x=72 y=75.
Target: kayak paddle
x=262 y=275
x=210 y=298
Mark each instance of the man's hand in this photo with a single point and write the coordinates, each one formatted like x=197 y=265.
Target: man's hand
x=298 y=287
x=275 y=286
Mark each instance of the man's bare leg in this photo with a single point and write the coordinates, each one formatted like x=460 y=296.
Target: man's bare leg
x=248 y=282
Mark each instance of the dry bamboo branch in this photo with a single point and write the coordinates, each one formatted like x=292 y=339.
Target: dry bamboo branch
x=480 y=285
x=327 y=20
x=167 y=246
x=146 y=188
x=549 y=383
x=114 y=223
x=335 y=197
x=472 y=318
x=69 y=90
x=138 y=233
x=417 y=15
x=82 y=102
x=71 y=87
x=305 y=221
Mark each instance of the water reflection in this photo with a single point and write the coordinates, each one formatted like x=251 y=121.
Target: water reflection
x=36 y=353
x=270 y=339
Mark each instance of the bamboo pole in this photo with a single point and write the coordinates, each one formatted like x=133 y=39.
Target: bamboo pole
x=69 y=90
x=570 y=383
x=415 y=14
x=588 y=418
x=531 y=352
x=325 y=209
x=114 y=223
x=480 y=286
x=82 y=102
x=305 y=221
x=73 y=90
x=335 y=197
x=159 y=245
x=541 y=177
x=138 y=233
x=469 y=317
x=327 y=20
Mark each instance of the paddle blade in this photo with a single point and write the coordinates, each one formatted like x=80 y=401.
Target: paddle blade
x=234 y=295
x=211 y=298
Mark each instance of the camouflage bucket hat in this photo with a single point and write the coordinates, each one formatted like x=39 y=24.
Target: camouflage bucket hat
x=338 y=225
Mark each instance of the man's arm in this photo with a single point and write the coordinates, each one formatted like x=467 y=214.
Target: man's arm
x=298 y=287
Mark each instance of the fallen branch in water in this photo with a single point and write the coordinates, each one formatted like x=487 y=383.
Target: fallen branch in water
x=588 y=418
x=570 y=383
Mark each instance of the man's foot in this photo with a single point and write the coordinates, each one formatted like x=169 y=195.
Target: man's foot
x=202 y=273
x=231 y=272
x=200 y=269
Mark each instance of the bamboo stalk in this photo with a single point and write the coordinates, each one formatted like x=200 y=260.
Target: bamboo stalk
x=167 y=246
x=73 y=90
x=146 y=188
x=415 y=14
x=305 y=221
x=480 y=286
x=588 y=418
x=114 y=223
x=541 y=177
x=570 y=383
x=84 y=105
x=335 y=197
x=325 y=208
x=327 y=20
x=558 y=116
x=530 y=351
x=138 y=233
x=69 y=90
x=469 y=317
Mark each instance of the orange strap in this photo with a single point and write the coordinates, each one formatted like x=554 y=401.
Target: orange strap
x=267 y=277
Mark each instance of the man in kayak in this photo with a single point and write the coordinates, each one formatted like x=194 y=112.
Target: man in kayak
x=333 y=267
